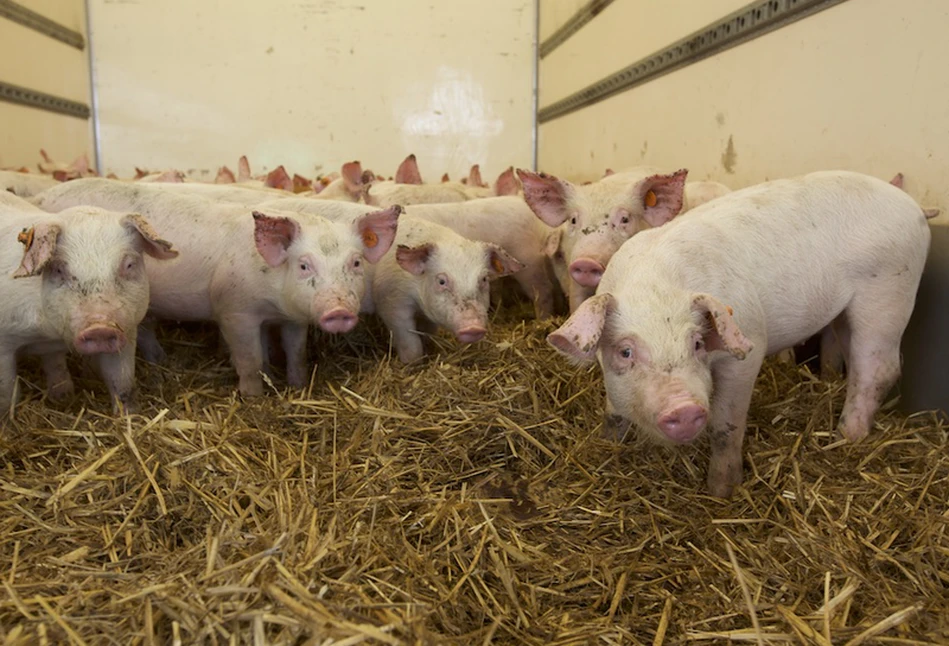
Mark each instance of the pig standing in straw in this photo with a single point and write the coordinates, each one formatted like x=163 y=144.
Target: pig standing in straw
x=246 y=269
x=73 y=281
x=685 y=314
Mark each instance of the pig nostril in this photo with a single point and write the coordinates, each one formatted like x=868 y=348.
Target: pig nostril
x=586 y=272
x=471 y=334
x=338 y=321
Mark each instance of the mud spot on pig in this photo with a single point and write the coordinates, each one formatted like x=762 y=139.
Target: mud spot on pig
x=730 y=156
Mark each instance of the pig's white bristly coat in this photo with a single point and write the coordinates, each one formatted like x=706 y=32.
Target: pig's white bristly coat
x=383 y=194
x=220 y=275
x=789 y=257
x=236 y=193
x=25 y=184
x=44 y=317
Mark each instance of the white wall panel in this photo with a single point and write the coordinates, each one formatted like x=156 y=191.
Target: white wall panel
x=312 y=84
x=33 y=60
x=554 y=13
x=860 y=86
x=624 y=32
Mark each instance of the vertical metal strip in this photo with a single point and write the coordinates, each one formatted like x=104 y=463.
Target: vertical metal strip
x=535 y=89
x=93 y=91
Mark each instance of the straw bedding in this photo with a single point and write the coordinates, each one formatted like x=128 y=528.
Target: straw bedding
x=468 y=499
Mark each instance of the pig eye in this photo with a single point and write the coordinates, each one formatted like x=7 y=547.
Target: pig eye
x=699 y=344
x=357 y=262
x=626 y=353
x=442 y=282
x=573 y=220
x=625 y=219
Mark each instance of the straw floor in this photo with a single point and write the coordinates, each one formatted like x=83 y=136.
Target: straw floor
x=466 y=500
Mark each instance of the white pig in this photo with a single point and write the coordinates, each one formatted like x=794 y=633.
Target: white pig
x=73 y=282
x=599 y=217
x=25 y=184
x=685 y=314
x=244 y=270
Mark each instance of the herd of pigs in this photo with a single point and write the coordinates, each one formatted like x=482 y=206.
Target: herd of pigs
x=678 y=289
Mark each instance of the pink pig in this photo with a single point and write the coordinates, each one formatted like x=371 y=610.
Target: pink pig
x=245 y=269
x=685 y=314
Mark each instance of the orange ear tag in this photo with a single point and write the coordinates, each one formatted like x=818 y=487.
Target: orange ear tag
x=26 y=237
x=650 y=199
x=369 y=238
x=497 y=266
x=731 y=312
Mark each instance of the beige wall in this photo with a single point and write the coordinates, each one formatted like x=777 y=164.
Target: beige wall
x=194 y=85
x=860 y=86
x=30 y=59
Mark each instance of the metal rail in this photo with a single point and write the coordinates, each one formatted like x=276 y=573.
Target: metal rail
x=29 y=18
x=749 y=22
x=35 y=99
x=584 y=15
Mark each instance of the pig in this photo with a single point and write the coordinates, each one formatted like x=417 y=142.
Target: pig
x=505 y=222
x=225 y=176
x=236 y=193
x=25 y=184
x=685 y=314
x=74 y=281
x=351 y=185
x=245 y=268
x=165 y=177
x=698 y=193
x=599 y=217
x=440 y=276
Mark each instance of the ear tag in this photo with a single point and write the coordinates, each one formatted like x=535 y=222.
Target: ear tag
x=26 y=238
x=731 y=312
x=650 y=199
x=497 y=266
x=369 y=238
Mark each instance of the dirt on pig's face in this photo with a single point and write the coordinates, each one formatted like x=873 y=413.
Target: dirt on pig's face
x=656 y=370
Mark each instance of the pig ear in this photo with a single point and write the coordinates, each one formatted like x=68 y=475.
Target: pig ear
x=273 y=236
x=170 y=177
x=897 y=180
x=507 y=183
x=552 y=244
x=243 y=169
x=722 y=332
x=445 y=178
x=301 y=184
x=39 y=245
x=278 y=178
x=546 y=195
x=153 y=245
x=578 y=338
x=661 y=196
x=414 y=259
x=609 y=171
x=474 y=176
x=139 y=173
x=353 y=178
x=408 y=171
x=501 y=262
x=377 y=231
x=224 y=176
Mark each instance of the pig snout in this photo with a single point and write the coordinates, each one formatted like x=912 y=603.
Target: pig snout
x=338 y=320
x=683 y=423
x=471 y=334
x=586 y=271
x=100 y=338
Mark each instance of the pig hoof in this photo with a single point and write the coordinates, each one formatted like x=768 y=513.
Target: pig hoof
x=724 y=490
x=60 y=392
x=852 y=434
x=122 y=406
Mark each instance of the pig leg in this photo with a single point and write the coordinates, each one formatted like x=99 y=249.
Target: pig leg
x=834 y=340
x=59 y=383
x=118 y=373
x=7 y=379
x=536 y=285
x=405 y=335
x=734 y=383
x=293 y=336
x=242 y=334
x=874 y=361
x=148 y=344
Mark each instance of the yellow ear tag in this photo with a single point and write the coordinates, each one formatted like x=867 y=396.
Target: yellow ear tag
x=369 y=238
x=650 y=199
x=496 y=264
x=731 y=312
x=26 y=237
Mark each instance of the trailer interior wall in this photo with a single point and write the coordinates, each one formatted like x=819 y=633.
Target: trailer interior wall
x=314 y=84
x=36 y=61
x=861 y=85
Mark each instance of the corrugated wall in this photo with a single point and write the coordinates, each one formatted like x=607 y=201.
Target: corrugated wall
x=193 y=85
x=33 y=60
x=861 y=85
